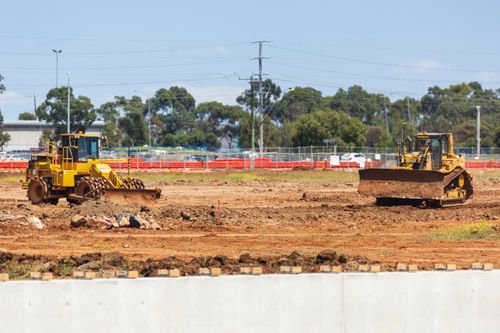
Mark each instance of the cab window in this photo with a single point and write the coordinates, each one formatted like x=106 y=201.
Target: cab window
x=87 y=148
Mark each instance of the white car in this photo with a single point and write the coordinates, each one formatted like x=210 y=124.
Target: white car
x=355 y=157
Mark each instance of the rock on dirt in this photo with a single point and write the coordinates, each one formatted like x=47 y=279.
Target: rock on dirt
x=119 y=221
x=185 y=216
x=36 y=222
x=78 y=221
x=5 y=217
x=138 y=222
x=122 y=220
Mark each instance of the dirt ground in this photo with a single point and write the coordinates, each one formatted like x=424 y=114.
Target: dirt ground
x=282 y=217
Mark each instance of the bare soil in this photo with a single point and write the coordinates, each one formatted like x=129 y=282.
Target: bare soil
x=214 y=221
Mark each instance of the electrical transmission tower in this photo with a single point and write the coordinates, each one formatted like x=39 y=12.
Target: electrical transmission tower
x=261 y=108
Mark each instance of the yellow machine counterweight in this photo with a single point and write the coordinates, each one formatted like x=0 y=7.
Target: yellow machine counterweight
x=429 y=173
x=75 y=171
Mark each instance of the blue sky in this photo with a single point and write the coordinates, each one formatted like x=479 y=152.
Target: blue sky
x=136 y=47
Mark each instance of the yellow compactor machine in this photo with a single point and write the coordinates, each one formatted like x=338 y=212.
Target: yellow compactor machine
x=75 y=171
x=429 y=173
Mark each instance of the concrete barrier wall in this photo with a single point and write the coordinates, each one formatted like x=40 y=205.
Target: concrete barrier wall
x=462 y=301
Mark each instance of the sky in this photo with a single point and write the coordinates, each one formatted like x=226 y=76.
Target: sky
x=125 y=48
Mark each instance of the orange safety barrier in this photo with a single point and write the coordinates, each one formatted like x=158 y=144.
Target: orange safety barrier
x=241 y=164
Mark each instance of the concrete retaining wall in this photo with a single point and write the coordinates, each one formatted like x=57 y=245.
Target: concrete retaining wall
x=462 y=301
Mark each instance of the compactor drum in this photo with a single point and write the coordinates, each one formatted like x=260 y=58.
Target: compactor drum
x=74 y=171
x=431 y=174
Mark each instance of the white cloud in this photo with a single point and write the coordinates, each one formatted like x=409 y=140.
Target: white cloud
x=10 y=96
x=426 y=64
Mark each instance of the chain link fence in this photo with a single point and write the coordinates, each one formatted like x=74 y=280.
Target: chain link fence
x=272 y=157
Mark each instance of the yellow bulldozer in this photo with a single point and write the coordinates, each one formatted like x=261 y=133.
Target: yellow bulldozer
x=427 y=173
x=75 y=171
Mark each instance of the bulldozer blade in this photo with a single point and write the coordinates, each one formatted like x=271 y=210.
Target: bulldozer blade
x=401 y=183
x=131 y=195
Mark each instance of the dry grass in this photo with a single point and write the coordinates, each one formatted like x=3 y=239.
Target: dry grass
x=473 y=231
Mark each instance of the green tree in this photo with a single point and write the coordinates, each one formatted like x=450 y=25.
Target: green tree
x=55 y=110
x=358 y=103
x=109 y=112
x=26 y=116
x=377 y=136
x=497 y=136
x=297 y=102
x=271 y=93
x=464 y=134
x=132 y=123
x=47 y=136
x=312 y=129
x=271 y=132
x=175 y=110
x=221 y=120
x=4 y=137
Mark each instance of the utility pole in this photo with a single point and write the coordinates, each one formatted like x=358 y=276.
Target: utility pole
x=252 y=112
x=69 y=106
x=478 y=108
x=261 y=111
x=252 y=117
x=34 y=103
x=57 y=52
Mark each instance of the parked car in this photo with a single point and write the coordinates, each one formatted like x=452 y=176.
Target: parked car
x=355 y=157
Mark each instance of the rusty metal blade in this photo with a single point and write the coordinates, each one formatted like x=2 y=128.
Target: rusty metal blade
x=131 y=196
x=400 y=183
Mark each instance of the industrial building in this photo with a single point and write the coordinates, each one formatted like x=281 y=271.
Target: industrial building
x=26 y=134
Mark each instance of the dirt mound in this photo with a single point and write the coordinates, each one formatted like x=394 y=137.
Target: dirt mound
x=19 y=266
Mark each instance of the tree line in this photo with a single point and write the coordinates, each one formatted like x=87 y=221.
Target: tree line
x=301 y=116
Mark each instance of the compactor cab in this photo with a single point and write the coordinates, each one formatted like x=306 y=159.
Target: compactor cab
x=74 y=170
x=428 y=171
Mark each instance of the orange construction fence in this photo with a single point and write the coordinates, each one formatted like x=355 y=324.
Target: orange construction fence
x=241 y=164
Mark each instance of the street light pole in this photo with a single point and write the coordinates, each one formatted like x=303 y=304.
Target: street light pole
x=69 y=106
x=57 y=52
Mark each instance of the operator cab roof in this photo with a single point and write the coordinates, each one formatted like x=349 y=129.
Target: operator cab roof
x=90 y=135
x=433 y=135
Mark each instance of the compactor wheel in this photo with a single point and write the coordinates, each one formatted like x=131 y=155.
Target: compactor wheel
x=86 y=187
x=134 y=184
x=37 y=191
x=138 y=184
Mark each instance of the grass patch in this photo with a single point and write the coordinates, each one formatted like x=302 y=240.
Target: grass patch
x=486 y=174
x=256 y=175
x=18 y=271
x=473 y=231
x=11 y=177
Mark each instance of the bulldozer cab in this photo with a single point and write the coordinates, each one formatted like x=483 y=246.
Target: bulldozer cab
x=80 y=147
x=437 y=144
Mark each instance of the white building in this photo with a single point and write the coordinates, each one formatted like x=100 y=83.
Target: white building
x=25 y=134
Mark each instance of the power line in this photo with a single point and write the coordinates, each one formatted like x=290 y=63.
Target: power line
x=370 y=62
x=123 y=52
x=322 y=70
x=13 y=69
x=370 y=47
x=110 y=84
